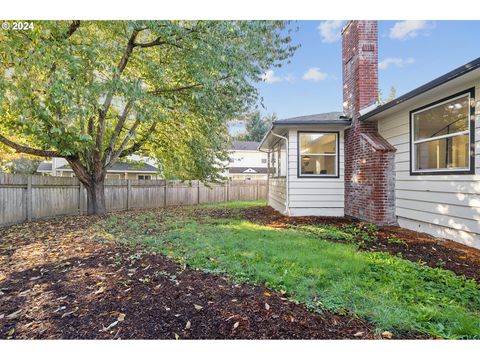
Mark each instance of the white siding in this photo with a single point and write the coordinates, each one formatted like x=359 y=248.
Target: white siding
x=447 y=206
x=277 y=194
x=314 y=196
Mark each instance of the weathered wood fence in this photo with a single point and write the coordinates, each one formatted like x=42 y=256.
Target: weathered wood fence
x=26 y=198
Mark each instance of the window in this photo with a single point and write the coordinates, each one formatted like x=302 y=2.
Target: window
x=442 y=136
x=113 y=176
x=318 y=154
x=278 y=159
x=144 y=177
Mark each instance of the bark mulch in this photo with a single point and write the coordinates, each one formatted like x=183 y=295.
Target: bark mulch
x=416 y=247
x=59 y=280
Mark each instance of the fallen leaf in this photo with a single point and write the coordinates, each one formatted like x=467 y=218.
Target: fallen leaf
x=99 y=291
x=176 y=336
x=198 y=307
x=11 y=332
x=267 y=293
x=188 y=325
x=236 y=325
x=112 y=325
x=267 y=306
x=121 y=317
x=14 y=315
x=69 y=313
x=357 y=334
x=387 y=334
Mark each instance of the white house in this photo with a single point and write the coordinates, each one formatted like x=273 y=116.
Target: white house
x=246 y=161
x=133 y=170
x=414 y=161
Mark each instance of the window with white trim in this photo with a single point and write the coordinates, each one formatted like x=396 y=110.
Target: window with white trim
x=442 y=136
x=318 y=154
x=144 y=177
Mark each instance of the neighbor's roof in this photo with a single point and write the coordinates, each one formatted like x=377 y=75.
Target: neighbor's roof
x=243 y=170
x=124 y=166
x=460 y=71
x=244 y=145
x=44 y=167
x=119 y=166
x=330 y=118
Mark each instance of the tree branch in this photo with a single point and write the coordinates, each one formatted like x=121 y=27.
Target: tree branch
x=138 y=145
x=116 y=132
x=108 y=100
x=72 y=28
x=124 y=143
x=28 y=150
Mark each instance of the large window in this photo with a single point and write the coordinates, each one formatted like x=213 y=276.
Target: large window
x=318 y=154
x=442 y=134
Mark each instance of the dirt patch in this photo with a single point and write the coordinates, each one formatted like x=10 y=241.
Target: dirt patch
x=414 y=246
x=59 y=280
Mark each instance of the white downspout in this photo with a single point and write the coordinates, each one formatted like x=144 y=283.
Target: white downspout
x=287 y=185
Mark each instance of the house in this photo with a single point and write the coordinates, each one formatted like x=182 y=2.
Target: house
x=246 y=161
x=138 y=170
x=412 y=162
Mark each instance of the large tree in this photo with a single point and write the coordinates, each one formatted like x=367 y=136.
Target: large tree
x=97 y=91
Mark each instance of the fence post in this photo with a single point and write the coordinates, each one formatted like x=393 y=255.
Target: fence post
x=228 y=190
x=165 y=193
x=258 y=190
x=29 y=199
x=198 y=191
x=129 y=190
x=81 y=206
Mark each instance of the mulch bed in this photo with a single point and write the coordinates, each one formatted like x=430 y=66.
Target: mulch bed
x=418 y=247
x=59 y=281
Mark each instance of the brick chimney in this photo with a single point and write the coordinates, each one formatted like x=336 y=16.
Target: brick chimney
x=369 y=159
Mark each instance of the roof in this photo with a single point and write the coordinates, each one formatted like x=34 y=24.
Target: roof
x=44 y=166
x=124 y=166
x=119 y=166
x=244 y=145
x=243 y=170
x=330 y=118
x=462 y=70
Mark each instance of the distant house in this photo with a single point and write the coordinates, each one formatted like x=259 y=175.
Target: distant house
x=414 y=161
x=137 y=170
x=246 y=162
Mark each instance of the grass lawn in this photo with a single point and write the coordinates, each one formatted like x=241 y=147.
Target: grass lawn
x=395 y=294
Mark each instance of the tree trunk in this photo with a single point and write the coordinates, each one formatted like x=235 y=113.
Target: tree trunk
x=96 y=198
x=94 y=184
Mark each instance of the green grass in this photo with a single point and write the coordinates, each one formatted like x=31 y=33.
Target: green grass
x=395 y=294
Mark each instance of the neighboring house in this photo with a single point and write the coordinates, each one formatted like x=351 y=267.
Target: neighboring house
x=414 y=161
x=137 y=170
x=246 y=161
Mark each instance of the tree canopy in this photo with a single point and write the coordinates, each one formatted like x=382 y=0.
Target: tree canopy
x=257 y=126
x=97 y=91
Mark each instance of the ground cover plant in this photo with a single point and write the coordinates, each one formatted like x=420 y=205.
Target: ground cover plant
x=319 y=265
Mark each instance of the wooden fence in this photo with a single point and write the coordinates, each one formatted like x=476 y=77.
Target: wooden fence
x=26 y=198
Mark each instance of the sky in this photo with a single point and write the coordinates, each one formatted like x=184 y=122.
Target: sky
x=411 y=53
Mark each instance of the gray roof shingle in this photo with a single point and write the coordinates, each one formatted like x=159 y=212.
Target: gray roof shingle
x=244 y=145
x=44 y=166
x=334 y=117
x=241 y=170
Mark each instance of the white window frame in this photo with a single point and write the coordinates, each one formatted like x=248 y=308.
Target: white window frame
x=337 y=155
x=413 y=149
